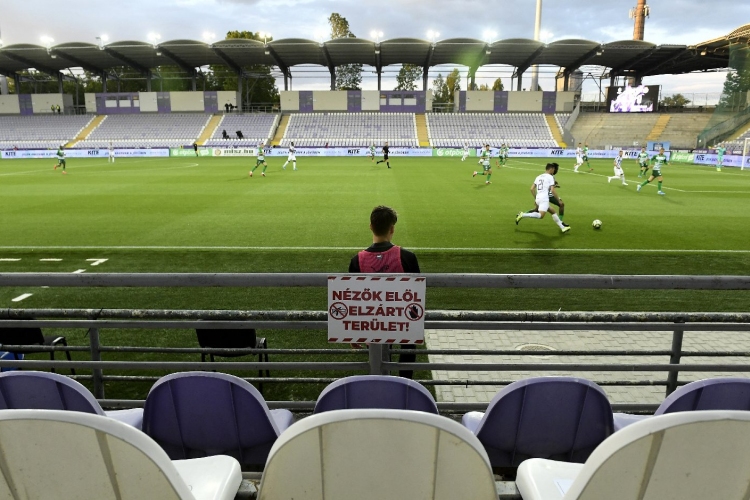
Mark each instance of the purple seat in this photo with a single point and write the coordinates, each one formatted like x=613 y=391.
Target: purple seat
x=722 y=393
x=558 y=418
x=202 y=414
x=376 y=392
x=29 y=390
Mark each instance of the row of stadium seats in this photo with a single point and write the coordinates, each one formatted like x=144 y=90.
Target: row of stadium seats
x=55 y=128
x=372 y=454
x=738 y=143
x=574 y=414
x=513 y=129
x=351 y=129
x=255 y=128
x=175 y=128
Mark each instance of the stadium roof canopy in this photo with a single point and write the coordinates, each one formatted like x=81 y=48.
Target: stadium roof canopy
x=627 y=57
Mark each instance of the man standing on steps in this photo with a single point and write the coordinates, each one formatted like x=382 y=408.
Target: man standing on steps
x=385 y=257
x=386 y=158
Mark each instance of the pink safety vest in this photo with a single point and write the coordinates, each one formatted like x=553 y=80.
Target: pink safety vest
x=381 y=262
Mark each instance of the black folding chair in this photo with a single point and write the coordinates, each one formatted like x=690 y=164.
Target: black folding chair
x=243 y=338
x=32 y=336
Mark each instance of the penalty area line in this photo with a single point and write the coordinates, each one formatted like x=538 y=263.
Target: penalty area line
x=421 y=249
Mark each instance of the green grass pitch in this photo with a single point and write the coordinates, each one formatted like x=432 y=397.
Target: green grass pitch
x=207 y=215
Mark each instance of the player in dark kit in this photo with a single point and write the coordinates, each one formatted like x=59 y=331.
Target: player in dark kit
x=195 y=147
x=386 y=158
x=385 y=257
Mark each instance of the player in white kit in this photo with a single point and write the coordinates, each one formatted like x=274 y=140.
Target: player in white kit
x=579 y=157
x=466 y=151
x=543 y=187
x=291 y=157
x=111 y=153
x=619 y=173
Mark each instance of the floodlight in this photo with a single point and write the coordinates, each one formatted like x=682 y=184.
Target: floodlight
x=545 y=35
x=208 y=36
x=1 y=43
x=154 y=38
x=703 y=52
x=489 y=36
x=46 y=40
x=104 y=38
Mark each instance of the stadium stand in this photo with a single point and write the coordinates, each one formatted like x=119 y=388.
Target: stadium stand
x=599 y=130
x=514 y=129
x=377 y=454
x=69 y=454
x=739 y=142
x=351 y=130
x=40 y=132
x=254 y=127
x=146 y=130
x=562 y=119
x=559 y=418
x=689 y=456
x=683 y=129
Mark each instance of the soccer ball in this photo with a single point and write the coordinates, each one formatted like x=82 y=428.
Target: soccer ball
x=597 y=224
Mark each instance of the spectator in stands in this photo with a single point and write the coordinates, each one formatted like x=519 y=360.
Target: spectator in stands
x=58 y=110
x=195 y=147
x=52 y=108
x=239 y=134
x=226 y=107
x=385 y=257
x=224 y=134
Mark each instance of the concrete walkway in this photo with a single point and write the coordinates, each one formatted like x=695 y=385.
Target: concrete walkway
x=579 y=341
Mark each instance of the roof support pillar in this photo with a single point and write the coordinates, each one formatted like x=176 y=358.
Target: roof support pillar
x=286 y=82
x=148 y=81
x=17 y=83
x=612 y=78
x=520 y=81
x=193 y=78
x=566 y=81
x=104 y=82
x=332 y=69
x=425 y=77
x=472 y=77
x=290 y=80
x=60 y=83
x=379 y=71
x=239 y=92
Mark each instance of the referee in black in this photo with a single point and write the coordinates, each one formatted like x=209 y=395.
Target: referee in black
x=386 y=158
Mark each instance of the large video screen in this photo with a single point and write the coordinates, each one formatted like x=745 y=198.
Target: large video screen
x=638 y=99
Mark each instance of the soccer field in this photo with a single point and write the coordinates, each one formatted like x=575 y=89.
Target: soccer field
x=207 y=215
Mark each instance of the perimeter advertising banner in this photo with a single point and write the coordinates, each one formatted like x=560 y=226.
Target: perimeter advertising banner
x=190 y=152
x=83 y=153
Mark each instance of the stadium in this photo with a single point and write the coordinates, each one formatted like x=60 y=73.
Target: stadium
x=194 y=309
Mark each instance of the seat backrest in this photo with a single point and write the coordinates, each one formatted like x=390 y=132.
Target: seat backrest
x=375 y=391
x=685 y=455
x=559 y=418
x=376 y=454
x=226 y=338
x=200 y=414
x=724 y=393
x=76 y=455
x=21 y=336
x=22 y=390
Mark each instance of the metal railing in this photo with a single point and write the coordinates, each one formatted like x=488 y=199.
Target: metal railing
x=376 y=359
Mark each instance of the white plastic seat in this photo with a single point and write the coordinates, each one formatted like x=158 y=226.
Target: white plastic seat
x=679 y=456
x=375 y=455
x=66 y=455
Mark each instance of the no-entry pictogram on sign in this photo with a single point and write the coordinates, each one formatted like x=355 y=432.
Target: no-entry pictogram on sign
x=376 y=309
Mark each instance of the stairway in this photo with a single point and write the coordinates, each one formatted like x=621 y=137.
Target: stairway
x=210 y=128
x=555 y=130
x=90 y=127
x=422 y=136
x=280 y=130
x=659 y=127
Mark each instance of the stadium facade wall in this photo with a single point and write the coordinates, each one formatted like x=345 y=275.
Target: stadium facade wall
x=566 y=101
x=9 y=105
x=503 y=101
x=389 y=101
x=114 y=103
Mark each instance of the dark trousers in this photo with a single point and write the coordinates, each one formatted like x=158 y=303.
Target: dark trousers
x=406 y=357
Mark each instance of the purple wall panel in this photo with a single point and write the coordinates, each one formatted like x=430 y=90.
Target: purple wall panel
x=163 y=102
x=395 y=100
x=501 y=101
x=24 y=102
x=354 y=101
x=462 y=101
x=210 y=101
x=116 y=97
x=549 y=102
x=306 y=101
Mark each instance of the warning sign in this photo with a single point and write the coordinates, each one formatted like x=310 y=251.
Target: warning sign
x=376 y=309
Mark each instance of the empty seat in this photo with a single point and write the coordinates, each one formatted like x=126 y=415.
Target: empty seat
x=375 y=391
x=70 y=455
x=721 y=393
x=30 y=390
x=685 y=456
x=560 y=418
x=200 y=414
x=377 y=454
x=32 y=336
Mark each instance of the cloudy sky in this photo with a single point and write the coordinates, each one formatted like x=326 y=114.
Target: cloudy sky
x=672 y=22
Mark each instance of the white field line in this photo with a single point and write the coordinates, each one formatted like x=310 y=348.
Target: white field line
x=50 y=260
x=22 y=297
x=9 y=260
x=79 y=271
x=96 y=262
x=421 y=249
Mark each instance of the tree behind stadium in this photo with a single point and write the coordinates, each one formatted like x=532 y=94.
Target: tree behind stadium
x=348 y=76
x=407 y=77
